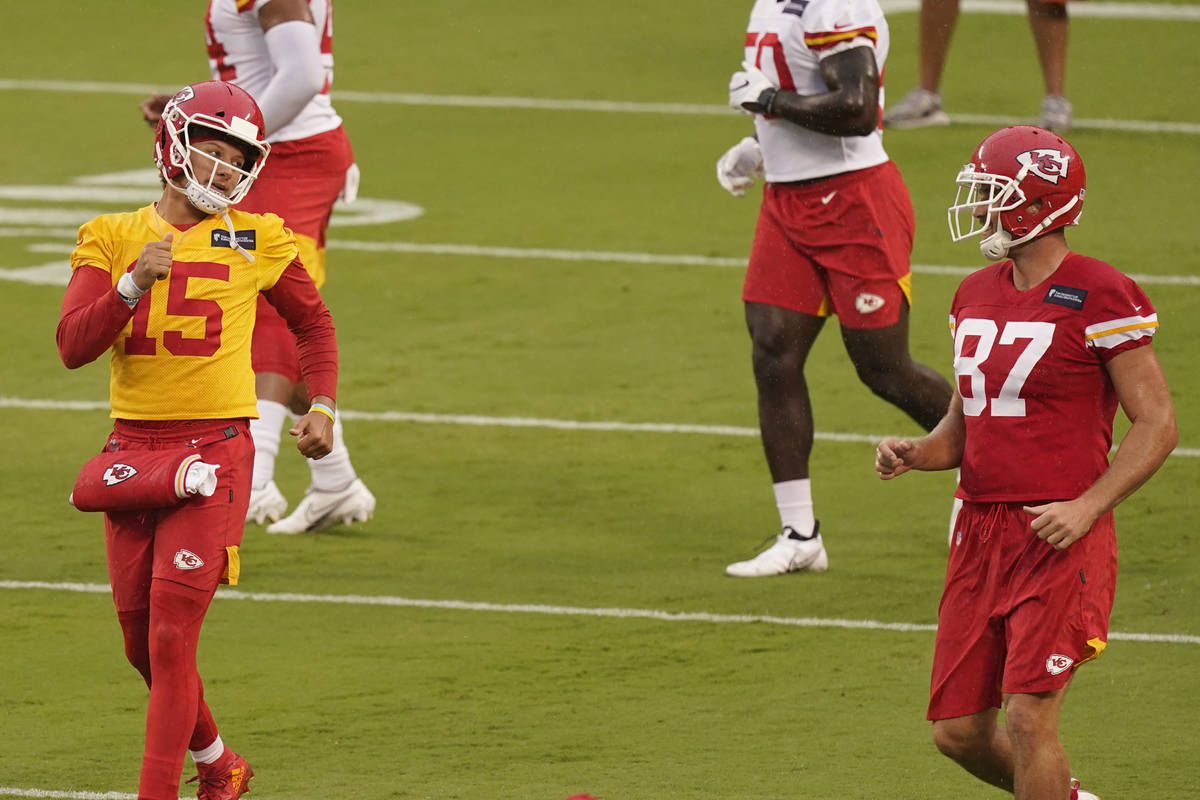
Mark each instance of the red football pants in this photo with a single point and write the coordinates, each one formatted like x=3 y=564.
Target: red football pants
x=164 y=566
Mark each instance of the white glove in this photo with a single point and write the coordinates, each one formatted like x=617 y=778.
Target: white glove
x=349 y=192
x=750 y=90
x=200 y=478
x=740 y=165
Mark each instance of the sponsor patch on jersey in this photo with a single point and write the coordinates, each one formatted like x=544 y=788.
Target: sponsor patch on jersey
x=117 y=473
x=796 y=7
x=1067 y=296
x=867 y=303
x=186 y=559
x=1058 y=664
x=220 y=238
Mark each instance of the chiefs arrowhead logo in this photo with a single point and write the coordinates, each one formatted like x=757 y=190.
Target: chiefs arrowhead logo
x=1047 y=163
x=186 y=559
x=1058 y=664
x=867 y=303
x=117 y=473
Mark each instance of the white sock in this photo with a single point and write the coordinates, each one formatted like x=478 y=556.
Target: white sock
x=794 y=501
x=266 y=431
x=334 y=472
x=209 y=754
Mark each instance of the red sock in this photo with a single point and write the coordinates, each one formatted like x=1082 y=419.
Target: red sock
x=176 y=613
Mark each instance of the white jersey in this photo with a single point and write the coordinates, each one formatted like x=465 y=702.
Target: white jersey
x=787 y=39
x=237 y=52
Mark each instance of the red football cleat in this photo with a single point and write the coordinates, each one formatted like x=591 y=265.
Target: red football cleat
x=227 y=778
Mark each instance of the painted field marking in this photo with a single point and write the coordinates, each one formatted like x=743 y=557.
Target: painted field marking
x=56 y=272
x=11 y=791
x=514 y=422
x=654 y=259
x=568 y=611
x=1147 y=12
x=607 y=106
x=517 y=422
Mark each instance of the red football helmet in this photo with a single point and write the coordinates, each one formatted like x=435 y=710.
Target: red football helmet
x=204 y=111
x=1010 y=170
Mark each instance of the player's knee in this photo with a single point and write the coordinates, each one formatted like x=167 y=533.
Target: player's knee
x=176 y=613
x=772 y=365
x=956 y=740
x=170 y=639
x=774 y=352
x=1029 y=725
x=884 y=380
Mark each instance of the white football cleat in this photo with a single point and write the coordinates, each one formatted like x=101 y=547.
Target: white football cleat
x=1056 y=114
x=321 y=510
x=920 y=108
x=267 y=503
x=790 y=553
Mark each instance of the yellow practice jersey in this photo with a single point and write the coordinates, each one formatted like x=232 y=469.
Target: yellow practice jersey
x=185 y=354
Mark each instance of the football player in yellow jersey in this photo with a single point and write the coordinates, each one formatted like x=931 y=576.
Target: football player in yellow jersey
x=171 y=291
x=281 y=52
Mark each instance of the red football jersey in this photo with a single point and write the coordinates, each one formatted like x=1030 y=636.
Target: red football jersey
x=1029 y=365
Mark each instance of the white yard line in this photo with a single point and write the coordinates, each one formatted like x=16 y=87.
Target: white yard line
x=568 y=611
x=567 y=104
x=34 y=404
x=1148 y=12
x=653 y=259
x=531 y=254
x=10 y=791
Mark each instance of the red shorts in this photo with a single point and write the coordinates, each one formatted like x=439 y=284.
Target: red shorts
x=839 y=245
x=194 y=543
x=300 y=183
x=1017 y=616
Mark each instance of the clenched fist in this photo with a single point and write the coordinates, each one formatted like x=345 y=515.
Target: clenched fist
x=153 y=264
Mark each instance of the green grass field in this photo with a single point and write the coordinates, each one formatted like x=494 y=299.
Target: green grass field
x=469 y=642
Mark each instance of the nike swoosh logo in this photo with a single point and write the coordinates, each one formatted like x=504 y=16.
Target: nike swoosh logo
x=1137 y=308
x=837 y=27
x=825 y=200
x=743 y=86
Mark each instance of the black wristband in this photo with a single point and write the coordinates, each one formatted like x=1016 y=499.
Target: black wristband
x=766 y=100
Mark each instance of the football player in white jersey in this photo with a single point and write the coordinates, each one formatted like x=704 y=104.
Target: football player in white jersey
x=834 y=236
x=281 y=52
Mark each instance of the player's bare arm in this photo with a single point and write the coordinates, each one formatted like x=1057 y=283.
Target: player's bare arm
x=1142 y=391
x=941 y=448
x=849 y=108
x=277 y=11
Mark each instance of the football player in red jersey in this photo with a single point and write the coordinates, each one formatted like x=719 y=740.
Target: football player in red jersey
x=171 y=290
x=1047 y=344
x=834 y=237
x=281 y=52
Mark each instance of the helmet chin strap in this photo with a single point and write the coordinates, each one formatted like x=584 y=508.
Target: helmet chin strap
x=995 y=247
x=203 y=199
